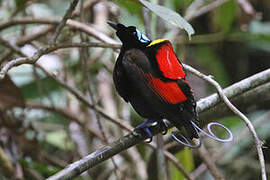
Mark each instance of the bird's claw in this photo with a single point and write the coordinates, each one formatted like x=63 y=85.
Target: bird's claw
x=164 y=127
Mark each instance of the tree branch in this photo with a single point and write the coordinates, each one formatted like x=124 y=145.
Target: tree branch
x=235 y=89
x=251 y=97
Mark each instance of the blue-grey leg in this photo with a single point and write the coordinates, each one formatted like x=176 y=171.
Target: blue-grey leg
x=144 y=126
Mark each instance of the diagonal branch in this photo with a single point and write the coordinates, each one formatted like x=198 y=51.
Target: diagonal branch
x=198 y=12
x=131 y=139
x=207 y=159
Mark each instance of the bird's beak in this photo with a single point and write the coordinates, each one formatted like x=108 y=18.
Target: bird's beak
x=113 y=25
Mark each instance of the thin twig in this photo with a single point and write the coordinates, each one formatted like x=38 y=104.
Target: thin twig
x=42 y=51
x=207 y=159
x=257 y=141
x=22 y=60
x=28 y=20
x=9 y=45
x=78 y=95
x=87 y=5
x=63 y=21
x=31 y=37
x=177 y=164
x=247 y=7
x=64 y=113
x=91 y=31
x=198 y=12
x=55 y=21
x=23 y=40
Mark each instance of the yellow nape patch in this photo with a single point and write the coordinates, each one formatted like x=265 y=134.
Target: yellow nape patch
x=156 y=42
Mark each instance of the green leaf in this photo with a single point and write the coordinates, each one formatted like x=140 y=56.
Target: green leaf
x=186 y=158
x=170 y=16
x=183 y=4
x=225 y=16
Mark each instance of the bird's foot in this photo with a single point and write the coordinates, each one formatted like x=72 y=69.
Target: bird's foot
x=144 y=126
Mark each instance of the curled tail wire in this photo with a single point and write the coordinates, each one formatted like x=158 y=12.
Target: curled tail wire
x=210 y=134
x=187 y=143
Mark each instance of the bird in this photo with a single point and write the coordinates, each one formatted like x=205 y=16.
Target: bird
x=148 y=75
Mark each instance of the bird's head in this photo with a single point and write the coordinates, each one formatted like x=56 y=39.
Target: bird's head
x=130 y=36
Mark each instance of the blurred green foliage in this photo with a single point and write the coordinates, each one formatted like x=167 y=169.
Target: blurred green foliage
x=225 y=16
x=186 y=158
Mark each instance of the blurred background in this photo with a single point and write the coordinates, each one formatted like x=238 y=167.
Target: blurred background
x=51 y=112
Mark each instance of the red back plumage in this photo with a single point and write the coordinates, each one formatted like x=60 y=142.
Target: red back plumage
x=168 y=91
x=168 y=62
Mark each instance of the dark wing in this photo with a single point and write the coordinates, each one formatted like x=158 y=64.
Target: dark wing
x=120 y=78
